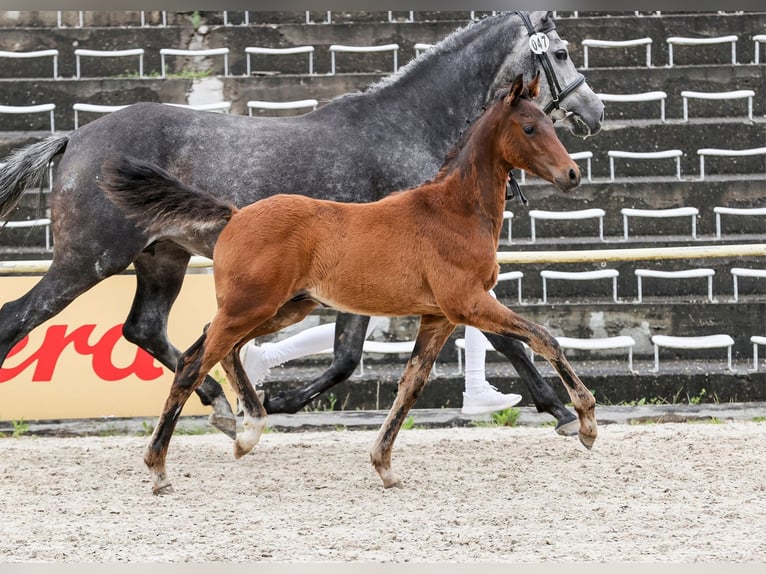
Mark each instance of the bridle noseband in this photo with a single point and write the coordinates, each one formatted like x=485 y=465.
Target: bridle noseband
x=539 y=47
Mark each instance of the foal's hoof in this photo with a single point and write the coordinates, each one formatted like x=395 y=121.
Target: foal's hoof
x=227 y=424
x=587 y=440
x=246 y=441
x=390 y=480
x=396 y=483
x=162 y=489
x=241 y=450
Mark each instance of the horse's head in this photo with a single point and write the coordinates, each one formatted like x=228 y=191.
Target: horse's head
x=565 y=95
x=527 y=138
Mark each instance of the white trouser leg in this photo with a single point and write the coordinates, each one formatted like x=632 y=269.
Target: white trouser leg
x=308 y=342
x=475 y=358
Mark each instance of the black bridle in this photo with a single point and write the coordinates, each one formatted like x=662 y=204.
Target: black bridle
x=557 y=93
x=554 y=108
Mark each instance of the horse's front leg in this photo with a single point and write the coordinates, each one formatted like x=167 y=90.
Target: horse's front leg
x=543 y=395
x=486 y=314
x=187 y=378
x=347 y=352
x=432 y=334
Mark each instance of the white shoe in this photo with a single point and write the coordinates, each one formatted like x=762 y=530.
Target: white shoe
x=488 y=400
x=254 y=363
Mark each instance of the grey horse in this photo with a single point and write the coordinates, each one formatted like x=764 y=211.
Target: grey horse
x=356 y=148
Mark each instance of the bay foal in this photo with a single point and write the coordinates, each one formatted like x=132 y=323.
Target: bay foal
x=427 y=251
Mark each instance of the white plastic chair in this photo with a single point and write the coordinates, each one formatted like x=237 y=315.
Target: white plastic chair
x=334 y=48
x=660 y=213
x=704 y=342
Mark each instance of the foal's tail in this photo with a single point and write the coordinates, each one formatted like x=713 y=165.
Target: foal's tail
x=159 y=203
x=25 y=168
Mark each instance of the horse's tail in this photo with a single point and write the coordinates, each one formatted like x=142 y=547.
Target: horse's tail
x=25 y=168
x=160 y=204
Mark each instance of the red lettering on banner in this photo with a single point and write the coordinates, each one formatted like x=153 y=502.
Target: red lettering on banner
x=56 y=340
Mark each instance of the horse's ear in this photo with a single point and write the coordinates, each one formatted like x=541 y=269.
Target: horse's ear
x=517 y=88
x=534 y=86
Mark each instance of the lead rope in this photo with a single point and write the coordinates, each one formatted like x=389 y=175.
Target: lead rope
x=513 y=190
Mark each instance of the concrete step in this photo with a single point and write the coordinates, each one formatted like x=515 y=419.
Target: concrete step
x=336 y=420
x=279 y=81
x=629 y=26
x=677 y=381
x=650 y=192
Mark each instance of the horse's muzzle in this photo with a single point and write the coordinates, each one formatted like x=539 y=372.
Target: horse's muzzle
x=582 y=128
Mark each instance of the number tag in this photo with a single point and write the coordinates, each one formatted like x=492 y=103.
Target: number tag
x=539 y=43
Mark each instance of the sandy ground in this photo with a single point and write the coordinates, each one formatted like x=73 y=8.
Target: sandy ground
x=662 y=492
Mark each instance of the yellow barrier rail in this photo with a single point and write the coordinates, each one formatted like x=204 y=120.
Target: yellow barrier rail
x=518 y=257
x=636 y=254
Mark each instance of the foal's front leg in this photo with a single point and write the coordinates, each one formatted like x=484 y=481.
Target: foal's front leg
x=254 y=412
x=432 y=334
x=486 y=314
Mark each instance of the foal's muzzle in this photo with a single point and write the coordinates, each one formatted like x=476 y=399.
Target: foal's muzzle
x=569 y=179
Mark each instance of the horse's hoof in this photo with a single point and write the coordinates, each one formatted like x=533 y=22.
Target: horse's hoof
x=227 y=424
x=568 y=428
x=162 y=489
x=277 y=403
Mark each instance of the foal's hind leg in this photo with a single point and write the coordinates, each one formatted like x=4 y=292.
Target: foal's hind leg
x=187 y=378
x=347 y=352
x=432 y=334
x=159 y=276
x=544 y=397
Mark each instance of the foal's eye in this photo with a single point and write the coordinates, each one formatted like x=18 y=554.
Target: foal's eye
x=528 y=129
x=561 y=55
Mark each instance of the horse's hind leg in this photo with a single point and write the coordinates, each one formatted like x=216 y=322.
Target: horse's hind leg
x=159 y=276
x=350 y=333
x=543 y=395
x=255 y=414
x=68 y=277
x=432 y=334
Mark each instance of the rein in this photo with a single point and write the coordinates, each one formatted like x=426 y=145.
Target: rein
x=538 y=44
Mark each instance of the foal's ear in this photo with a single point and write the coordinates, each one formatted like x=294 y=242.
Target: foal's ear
x=534 y=86
x=517 y=88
